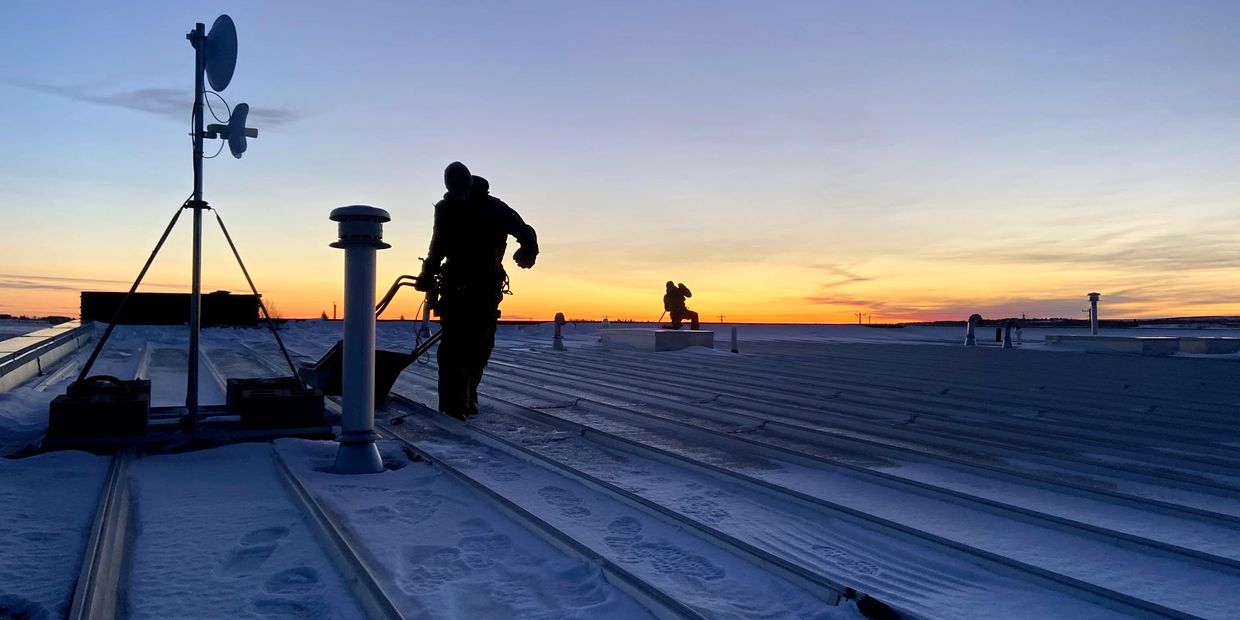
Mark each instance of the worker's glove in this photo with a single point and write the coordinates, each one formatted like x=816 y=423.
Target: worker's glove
x=525 y=257
x=426 y=281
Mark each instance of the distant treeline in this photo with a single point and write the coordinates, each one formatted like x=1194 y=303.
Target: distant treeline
x=1190 y=321
x=53 y=319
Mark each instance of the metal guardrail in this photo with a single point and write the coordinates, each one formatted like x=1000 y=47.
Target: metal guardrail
x=11 y=361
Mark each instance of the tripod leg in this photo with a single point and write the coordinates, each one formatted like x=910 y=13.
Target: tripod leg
x=121 y=308
x=261 y=306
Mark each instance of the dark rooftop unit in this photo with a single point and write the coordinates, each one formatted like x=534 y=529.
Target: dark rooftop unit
x=220 y=308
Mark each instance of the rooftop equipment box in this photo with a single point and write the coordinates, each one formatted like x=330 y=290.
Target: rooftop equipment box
x=220 y=308
x=101 y=407
x=653 y=340
x=275 y=403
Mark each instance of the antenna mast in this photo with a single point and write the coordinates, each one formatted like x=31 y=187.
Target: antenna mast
x=198 y=39
x=215 y=58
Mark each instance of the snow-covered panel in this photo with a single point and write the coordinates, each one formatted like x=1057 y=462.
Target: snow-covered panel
x=218 y=536
x=27 y=356
x=1118 y=470
x=47 y=505
x=23 y=418
x=446 y=552
x=19 y=327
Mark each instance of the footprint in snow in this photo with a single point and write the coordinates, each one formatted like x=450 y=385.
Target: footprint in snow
x=631 y=547
x=471 y=527
x=625 y=527
x=38 y=537
x=428 y=568
x=378 y=513
x=568 y=503
x=846 y=561
x=481 y=551
x=418 y=507
x=499 y=473
x=265 y=535
x=18 y=608
x=861 y=567
x=246 y=560
x=252 y=551
x=703 y=509
x=670 y=559
x=292 y=581
x=280 y=608
x=348 y=488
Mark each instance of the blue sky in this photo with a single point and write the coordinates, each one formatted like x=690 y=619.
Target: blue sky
x=947 y=156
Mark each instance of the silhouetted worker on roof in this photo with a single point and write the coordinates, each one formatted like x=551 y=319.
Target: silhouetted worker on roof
x=471 y=235
x=674 y=302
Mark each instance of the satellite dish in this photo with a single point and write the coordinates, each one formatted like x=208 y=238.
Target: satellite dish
x=236 y=129
x=221 y=53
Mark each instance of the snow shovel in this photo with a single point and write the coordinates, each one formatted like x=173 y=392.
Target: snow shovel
x=327 y=373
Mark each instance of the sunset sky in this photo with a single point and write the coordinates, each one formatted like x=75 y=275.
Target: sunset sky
x=788 y=161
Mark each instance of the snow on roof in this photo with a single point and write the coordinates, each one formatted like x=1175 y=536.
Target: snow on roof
x=944 y=481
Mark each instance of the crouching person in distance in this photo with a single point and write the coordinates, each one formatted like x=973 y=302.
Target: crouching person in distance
x=674 y=302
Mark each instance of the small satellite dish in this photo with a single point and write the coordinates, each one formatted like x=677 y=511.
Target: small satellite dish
x=221 y=53
x=236 y=129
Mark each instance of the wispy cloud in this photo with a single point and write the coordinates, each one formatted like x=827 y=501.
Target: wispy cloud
x=843 y=275
x=167 y=102
x=1125 y=249
x=58 y=283
x=13 y=283
x=951 y=307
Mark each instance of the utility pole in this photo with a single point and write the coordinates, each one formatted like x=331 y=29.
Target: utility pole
x=333 y=311
x=858 y=318
x=721 y=318
x=1093 y=313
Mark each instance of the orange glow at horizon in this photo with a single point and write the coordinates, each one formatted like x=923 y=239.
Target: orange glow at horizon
x=742 y=294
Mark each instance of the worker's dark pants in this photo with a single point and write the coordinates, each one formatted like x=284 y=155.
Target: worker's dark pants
x=467 y=319
x=679 y=316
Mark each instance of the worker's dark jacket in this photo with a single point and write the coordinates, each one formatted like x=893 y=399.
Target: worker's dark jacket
x=471 y=237
x=674 y=300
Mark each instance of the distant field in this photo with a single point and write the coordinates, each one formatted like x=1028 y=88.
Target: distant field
x=15 y=327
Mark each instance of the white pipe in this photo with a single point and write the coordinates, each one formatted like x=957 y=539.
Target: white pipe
x=557 y=343
x=361 y=235
x=970 y=335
